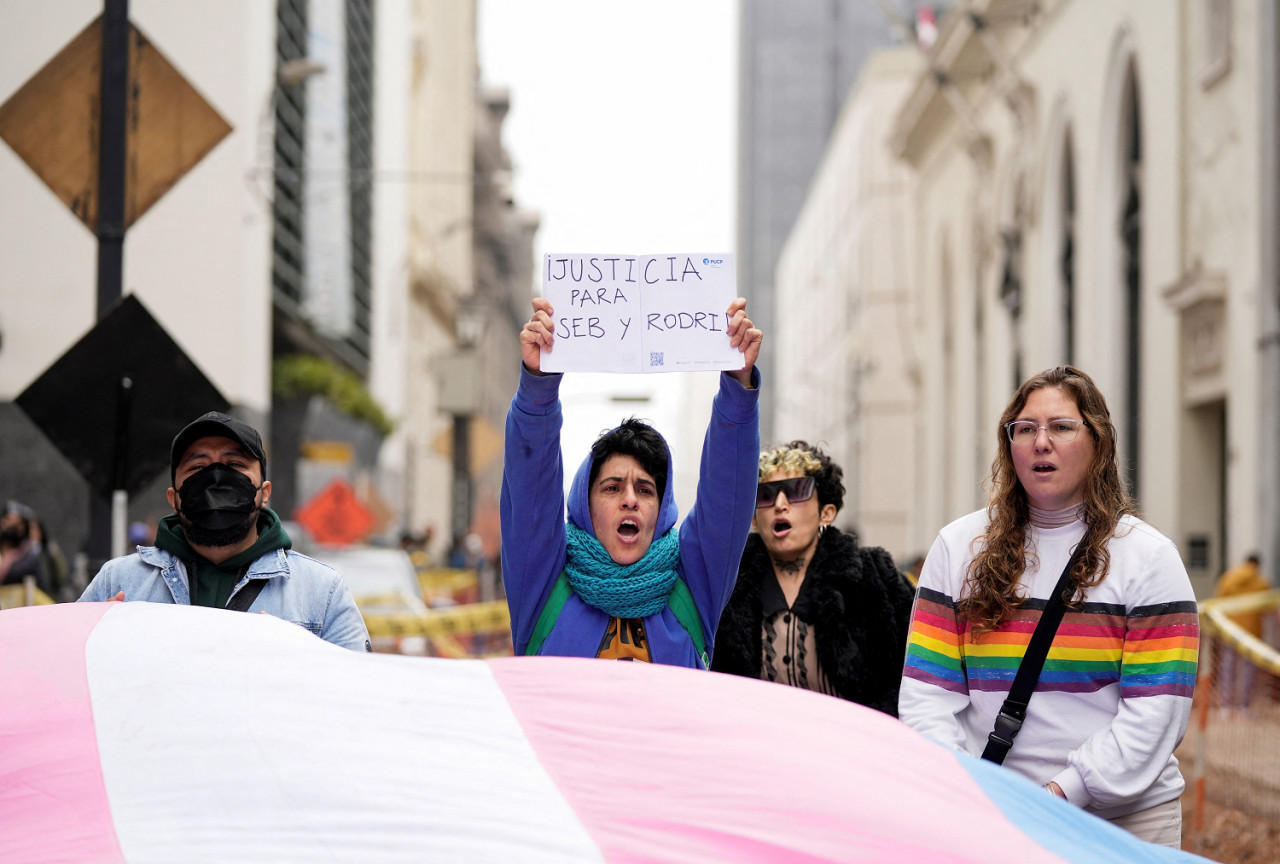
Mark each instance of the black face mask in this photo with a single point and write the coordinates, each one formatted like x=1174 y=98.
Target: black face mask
x=217 y=499
x=12 y=536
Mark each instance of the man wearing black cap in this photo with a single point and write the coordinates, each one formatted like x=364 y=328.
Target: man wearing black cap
x=224 y=547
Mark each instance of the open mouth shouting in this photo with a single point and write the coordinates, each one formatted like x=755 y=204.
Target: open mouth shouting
x=625 y=505
x=781 y=527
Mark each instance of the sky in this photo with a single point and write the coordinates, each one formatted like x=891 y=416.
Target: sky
x=622 y=134
x=622 y=122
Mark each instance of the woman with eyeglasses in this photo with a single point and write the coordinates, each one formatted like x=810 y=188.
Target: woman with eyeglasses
x=812 y=608
x=1112 y=700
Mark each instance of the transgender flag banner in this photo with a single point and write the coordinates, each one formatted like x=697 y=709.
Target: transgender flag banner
x=137 y=732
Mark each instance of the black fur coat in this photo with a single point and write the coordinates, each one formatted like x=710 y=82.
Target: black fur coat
x=863 y=610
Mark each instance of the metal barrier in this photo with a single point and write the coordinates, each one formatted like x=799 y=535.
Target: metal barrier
x=1236 y=714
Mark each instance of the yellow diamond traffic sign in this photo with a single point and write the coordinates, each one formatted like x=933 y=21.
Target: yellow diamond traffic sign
x=52 y=124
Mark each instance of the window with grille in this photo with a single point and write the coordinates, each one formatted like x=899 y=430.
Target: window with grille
x=323 y=164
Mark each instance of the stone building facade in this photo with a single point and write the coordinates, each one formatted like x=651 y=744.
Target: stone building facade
x=1093 y=183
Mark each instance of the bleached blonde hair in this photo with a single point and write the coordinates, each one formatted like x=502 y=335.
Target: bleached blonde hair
x=801 y=457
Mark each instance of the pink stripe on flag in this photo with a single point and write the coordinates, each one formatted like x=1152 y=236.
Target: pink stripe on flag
x=796 y=775
x=50 y=775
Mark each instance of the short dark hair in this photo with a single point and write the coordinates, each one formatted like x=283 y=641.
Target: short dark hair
x=804 y=458
x=638 y=440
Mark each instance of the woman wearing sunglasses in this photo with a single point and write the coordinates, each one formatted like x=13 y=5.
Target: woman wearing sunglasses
x=812 y=608
x=1113 y=697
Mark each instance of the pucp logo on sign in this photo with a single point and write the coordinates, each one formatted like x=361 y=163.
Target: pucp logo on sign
x=640 y=313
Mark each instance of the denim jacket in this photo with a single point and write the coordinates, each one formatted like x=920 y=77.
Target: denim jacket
x=299 y=589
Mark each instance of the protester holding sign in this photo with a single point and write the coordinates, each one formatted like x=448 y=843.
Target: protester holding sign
x=618 y=580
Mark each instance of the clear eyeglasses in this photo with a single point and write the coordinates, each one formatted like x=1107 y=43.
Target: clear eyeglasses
x=1060 y=431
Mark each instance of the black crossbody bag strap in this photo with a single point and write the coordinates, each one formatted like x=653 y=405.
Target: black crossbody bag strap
x=241 y=600
x=1014 y=710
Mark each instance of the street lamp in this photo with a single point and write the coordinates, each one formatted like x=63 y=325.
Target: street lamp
x=459 y=388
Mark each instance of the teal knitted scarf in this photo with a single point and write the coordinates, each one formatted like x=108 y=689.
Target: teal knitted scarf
x=632 y=591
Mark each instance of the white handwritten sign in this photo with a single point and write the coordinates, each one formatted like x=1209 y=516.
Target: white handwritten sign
x=640 y=313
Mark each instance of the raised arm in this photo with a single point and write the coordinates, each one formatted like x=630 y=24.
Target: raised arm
x=537 y=335
x=744 y=336
x=532 y=506
x=715 y=531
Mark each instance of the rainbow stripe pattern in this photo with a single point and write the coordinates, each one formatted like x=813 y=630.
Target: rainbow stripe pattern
x=1150 y=651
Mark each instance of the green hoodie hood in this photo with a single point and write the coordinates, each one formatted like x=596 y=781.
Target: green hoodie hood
x=214 y=582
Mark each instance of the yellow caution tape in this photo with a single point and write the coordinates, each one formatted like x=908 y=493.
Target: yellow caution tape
x=440 y=581
x=1214 y=619
x=449 y=621
x=448 y=646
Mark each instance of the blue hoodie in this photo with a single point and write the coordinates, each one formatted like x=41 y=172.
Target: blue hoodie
x=711 y=538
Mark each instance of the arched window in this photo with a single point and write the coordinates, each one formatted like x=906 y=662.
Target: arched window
x=1113 y=340
x=1066 y=256
x=1130 y=225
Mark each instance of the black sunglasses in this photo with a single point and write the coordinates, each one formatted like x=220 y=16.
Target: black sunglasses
x=797 y=489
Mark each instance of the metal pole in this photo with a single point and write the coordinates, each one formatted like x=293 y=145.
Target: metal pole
x=461 y=478
x=120 y=494
x=1269 y=288
x=113 y=99
x=113 y=125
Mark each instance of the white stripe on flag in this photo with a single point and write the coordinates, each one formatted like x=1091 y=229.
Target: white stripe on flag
x=235 y=737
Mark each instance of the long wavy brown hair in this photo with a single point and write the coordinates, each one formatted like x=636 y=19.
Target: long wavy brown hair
x=992 y=591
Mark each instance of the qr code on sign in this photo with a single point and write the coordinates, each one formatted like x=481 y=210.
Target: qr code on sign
x=655 y=358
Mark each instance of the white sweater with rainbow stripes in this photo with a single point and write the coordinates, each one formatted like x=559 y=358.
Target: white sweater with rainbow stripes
x=1114 y=696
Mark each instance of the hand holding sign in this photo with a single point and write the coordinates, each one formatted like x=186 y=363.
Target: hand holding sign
x=537 y=335
x=744 y=336
x=638 y=313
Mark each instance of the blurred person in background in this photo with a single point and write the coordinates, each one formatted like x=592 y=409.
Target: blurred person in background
x=57 y=574
x=224 y=547
x=468 y=553
x=19 y=553
x=812 y=608
x=628 y=584
x=1112 y=701
x=140 y=534
x=472 y=556
x=1235 y=673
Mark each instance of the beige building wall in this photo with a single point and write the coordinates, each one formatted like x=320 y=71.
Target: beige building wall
x=389 y=331
x=845 y=342
x=1023 y=98
x=441 y=161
